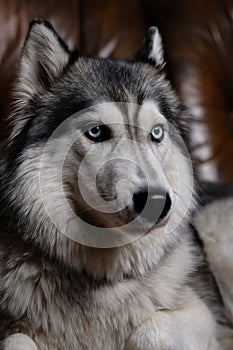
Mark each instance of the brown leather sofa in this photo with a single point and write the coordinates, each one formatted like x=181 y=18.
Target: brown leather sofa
x=198 y=39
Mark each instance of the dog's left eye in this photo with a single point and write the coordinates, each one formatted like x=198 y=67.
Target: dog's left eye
x=98 y=133
x=157 y=133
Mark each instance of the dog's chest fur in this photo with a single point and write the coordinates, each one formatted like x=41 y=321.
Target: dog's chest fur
x=61 y=309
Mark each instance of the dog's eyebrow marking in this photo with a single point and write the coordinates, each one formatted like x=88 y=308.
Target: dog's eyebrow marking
x=104 y=113
x=152 y=106
x=149 y=114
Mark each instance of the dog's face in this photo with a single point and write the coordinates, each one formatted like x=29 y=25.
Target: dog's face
x=97 y=143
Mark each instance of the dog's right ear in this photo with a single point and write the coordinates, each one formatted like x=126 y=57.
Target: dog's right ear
x=44 y=57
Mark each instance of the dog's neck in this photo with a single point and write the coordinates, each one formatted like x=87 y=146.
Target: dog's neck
x=100 y=264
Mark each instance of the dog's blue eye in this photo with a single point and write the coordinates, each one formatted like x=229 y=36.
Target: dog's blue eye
x=98 y=133
x=157 y=133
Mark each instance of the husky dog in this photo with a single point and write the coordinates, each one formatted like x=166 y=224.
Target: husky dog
x=61 y=289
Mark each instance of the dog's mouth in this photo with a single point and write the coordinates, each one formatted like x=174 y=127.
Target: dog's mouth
x=101 y=219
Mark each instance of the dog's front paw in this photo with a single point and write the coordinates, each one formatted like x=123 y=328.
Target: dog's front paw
x=18 y=341
x=147 y=337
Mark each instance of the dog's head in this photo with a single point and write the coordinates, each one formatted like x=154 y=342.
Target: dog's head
x=96 y=151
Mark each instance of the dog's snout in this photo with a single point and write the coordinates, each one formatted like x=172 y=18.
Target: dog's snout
x=153 y=205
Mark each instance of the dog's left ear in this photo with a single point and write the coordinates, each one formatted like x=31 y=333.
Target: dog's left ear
x=152 y=49
x=43 y=58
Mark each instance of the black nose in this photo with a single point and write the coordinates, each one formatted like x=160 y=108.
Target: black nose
x=153 y=206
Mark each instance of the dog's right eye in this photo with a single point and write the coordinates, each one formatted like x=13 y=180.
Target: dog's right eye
x=98 y=133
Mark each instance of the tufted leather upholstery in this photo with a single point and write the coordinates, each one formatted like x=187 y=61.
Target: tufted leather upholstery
x=198 y=39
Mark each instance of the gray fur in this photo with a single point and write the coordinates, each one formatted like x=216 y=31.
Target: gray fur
x=65 y=295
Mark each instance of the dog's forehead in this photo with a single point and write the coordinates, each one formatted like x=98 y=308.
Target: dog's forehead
x=120 y=81
x=113 y=78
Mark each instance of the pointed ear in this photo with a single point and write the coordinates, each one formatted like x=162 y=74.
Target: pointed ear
x=43 y=58
x=152 y=49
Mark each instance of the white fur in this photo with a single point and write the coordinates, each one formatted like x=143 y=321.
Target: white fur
x=215 y=226
x=148 y=312
x=170 y=168
x=19 y=341
x=156 y=53
x=151 y=309
x=174 y=331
